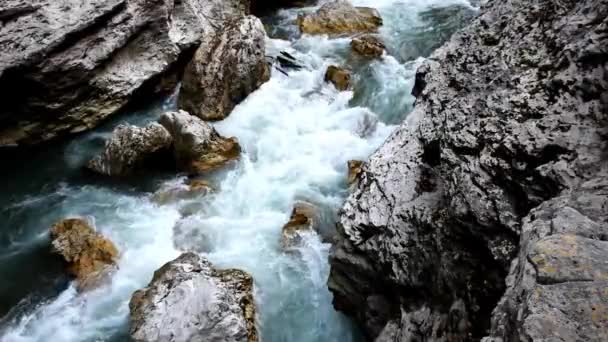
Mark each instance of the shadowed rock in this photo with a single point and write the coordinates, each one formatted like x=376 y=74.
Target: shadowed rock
x=340 y=17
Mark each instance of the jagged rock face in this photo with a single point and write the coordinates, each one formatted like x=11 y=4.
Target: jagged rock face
x=88 y=255
x=67 y=64
x=503 y=157
x=339 y=77
x=129 y=148
x=197 y=147
x=340 y=17
x=225 y=69
x=368 y=46
x=188 y=301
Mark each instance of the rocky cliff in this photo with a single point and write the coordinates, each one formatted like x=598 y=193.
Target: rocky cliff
x=485 y=215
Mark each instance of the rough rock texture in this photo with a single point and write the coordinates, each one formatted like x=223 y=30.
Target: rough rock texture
x=89 y=256
x=129 y=148
x=340 y=17
x=355 y=169
x=225 y=69
x=190 y=301
x=368 y=46
x=497 y=186
x=197 y=147
x=67 y=64
x=339 y=77
x=304 y=218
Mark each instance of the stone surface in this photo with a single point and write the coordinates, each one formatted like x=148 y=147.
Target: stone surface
x=174 y=192
x=130 y=147
x=340 y=17
x=490 y=201
x=368 y=46
x=65 y=65
x=188 y=301
x=355 y=169
x=197 y=147
x=88 y=255
x=304 y=218
x=339 y=77
x=225 y=69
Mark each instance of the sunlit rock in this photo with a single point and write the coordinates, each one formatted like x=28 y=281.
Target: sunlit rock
x=189 y=300
x=339 y=77
x=368 y=46
x=340 y=17
x=355 y=168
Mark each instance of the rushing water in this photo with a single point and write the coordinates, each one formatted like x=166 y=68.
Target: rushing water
x=297 y=133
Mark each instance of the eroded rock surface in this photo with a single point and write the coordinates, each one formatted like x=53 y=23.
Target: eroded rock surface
x=339 y=77
x=368 y=46
x=491 y=201
x=188 y=301
x=340 y=17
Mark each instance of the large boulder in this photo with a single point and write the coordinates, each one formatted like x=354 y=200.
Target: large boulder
x=340 y=17
x=197 y=147
x=88 y=255
x=130 y=147
x=225 y=69
x=190 y=301
x=65 y=65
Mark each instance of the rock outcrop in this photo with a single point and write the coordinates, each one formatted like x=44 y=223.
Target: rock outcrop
x=492 y=199
x=88 y=255
x=339 y=77
x=130 y=148
x=355 y=169
x=340 y=17
x=368 y=46
x=189 y=300
x=65 y=65
x=225 y=69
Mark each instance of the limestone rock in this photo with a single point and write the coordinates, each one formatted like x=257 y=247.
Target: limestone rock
x=225 y=69
x=189 y=300
x=368 y=46
x=197 y=147
x=304 y=218
x=88 y=255
x=339 y=77
x=129 y=148
x=340 y=17
x=65 y=65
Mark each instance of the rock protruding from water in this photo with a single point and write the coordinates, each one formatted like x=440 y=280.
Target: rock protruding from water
x=368 y=45
x=339 y=77
x=197 y=147
x=89 y=256
x=304 y=218
x=129 y=148
x=179 y=191
x=225 y=69
x=355 y=169
x=189 y=300
x=340 y=17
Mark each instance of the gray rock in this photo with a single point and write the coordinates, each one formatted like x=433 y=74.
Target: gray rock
x=67 y=64
x=188 y=301
x=495 y=187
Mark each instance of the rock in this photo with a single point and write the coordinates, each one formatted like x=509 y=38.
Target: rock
x=225 y=69
x=88 y=255
x=482 y=214
x=355 y=169
x=339 y=77
x=340 y=17
x=304 y=218
x=197 y=147
x=368 y=46
x=130 y=148
x=189 y=300
x=65 y=65
x=176 y=192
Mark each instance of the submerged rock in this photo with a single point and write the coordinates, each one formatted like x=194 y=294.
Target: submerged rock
x=304 y=218
x=339 y=77
x=88 y=255
x=225 y=69
x=189 y=300
x=197 y=147
x=175 y=192
x=129 y=148
x=340 y=17
x=368 y=46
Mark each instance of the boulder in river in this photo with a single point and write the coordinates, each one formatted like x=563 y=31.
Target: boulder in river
x=179 y=191
x=355 y=169
x=340 y=17
x=339 y=77
x=197 y=147
x=304 y=218
x=130 y=148
x=225 y=69
x=368 y=45
x=89 y=256
x=189 y=300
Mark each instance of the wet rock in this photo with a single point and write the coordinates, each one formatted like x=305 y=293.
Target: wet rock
x=355 y=169
x=339 y=77
x=340 y=17
x=225 y=69
x=88 y=255
x=65 y=65
x=304 y=218
x=130 y=148
x=189 y=300
x=368 y=46
x=180 y=191
x=197 y=147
